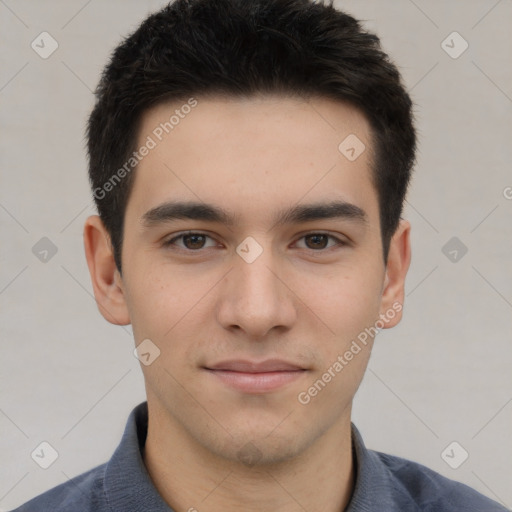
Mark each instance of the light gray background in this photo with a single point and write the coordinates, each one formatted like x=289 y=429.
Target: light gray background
x=443 y=375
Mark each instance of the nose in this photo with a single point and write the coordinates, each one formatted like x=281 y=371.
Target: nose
x=255 y=298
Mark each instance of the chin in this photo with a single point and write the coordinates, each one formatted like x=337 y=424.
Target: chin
x=261 y=447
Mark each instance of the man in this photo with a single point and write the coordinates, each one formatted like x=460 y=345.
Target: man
x=249 y=161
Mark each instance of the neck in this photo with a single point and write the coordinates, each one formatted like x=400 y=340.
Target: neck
x=191 y=478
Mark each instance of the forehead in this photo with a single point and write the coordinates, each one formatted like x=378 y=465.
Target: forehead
x=249 y=154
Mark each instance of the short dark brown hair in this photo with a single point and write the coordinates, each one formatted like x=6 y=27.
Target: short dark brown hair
x=241 y=48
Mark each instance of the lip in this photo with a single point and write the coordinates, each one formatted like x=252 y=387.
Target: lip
x=256 y=377
x=244 y=366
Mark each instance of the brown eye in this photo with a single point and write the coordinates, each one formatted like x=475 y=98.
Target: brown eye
x=190 y=242
x=316 y=241
x=320 y=242
x=194 y=241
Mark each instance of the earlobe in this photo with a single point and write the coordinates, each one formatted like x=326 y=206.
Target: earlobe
x=399 y=258
x=105 y=277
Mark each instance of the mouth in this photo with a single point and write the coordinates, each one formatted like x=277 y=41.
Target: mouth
x=256 y=377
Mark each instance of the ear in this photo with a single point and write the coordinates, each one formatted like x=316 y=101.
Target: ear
x=399 y=258
x=106 y=279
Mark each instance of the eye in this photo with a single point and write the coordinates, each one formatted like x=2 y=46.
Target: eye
x=320 y=241
x=195 y=241
x=191 y=241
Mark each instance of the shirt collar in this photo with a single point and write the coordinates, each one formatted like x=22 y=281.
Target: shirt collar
x=373 y=485
x=128 y=486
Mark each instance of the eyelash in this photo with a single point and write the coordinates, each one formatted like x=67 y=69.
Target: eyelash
x=171 y=242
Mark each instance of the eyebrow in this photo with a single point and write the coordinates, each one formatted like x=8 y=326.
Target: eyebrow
x=169 y=211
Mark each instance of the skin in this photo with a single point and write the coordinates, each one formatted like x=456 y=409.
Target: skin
x=302 y=300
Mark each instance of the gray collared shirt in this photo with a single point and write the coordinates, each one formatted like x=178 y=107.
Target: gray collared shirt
x=384 y=483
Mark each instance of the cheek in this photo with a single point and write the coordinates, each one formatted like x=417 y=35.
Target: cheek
x=174 y=310
x=165 y=311
x=349 y=305
x=347 y=302
x=156 y=302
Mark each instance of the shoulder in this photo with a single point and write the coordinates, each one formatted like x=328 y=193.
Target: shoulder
x=432 y=492
x=83 y=493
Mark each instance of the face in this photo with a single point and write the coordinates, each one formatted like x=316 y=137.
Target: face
x=252 y=260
